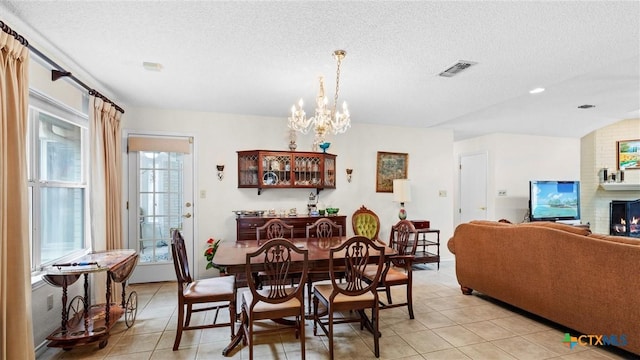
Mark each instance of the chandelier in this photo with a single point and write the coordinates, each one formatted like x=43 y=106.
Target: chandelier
x=326 y=120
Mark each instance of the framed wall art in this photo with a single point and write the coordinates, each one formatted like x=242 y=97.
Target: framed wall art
x=628 y=154
x=390 y=166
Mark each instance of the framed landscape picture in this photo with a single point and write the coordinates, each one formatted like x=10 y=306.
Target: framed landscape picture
x=628 y=154
x=390 y=166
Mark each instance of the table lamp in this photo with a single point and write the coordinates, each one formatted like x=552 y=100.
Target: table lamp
x=401 y=194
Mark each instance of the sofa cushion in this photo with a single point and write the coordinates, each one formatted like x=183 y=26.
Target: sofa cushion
x=618 y=239
x=578 y=230
x=490 y=223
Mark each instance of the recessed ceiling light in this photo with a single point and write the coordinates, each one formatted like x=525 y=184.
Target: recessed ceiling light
x=586 y=106
x=536 y=91
x=151 y=66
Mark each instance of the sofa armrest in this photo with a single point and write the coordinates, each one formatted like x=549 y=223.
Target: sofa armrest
x=451 y=245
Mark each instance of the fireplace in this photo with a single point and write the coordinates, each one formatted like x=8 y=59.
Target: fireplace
x=624 y=218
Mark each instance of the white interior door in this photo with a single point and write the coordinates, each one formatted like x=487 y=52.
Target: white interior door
x=160 y=200
x=473 y=187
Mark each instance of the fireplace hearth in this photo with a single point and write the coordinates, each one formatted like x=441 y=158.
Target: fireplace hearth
x=624 y=218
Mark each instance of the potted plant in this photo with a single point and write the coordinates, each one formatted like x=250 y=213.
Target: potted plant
x=210 y=252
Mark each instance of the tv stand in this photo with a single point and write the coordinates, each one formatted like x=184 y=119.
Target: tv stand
x=569 y=222
x=575 y=223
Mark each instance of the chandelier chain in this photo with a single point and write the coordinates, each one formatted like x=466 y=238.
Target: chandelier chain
x=335 y=96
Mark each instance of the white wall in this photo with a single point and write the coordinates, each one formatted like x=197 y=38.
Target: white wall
x=219 y=136
x=514 y=160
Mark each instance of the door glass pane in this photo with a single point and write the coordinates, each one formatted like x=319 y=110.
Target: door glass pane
x=146 y=159
x=62 y=222
x=161 y=203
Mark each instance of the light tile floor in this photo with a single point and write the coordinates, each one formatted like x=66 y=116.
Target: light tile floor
x=447 y=325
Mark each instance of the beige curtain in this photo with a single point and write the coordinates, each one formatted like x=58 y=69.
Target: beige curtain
x=106 y=176
x=106 y=185
x=16 y=333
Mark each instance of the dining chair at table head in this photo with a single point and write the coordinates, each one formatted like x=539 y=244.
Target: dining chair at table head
x=274 y=228
x=212 y=291
x=366 y=223
x=397 y=270
x=277 y=259
x=354 y=294
x=324 y=228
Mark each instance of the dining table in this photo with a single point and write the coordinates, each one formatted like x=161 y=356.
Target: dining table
x=232 y=257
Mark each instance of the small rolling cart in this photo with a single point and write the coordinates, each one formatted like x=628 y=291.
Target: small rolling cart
x=83 y=323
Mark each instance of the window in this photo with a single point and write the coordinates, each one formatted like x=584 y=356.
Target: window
x=57 y=177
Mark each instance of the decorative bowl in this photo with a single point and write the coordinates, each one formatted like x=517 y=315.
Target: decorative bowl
x=324 y=146
x=332 y=211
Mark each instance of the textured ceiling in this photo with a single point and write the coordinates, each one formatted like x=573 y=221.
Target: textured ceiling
x=258 y=58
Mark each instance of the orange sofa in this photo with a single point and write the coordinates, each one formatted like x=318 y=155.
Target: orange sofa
x=586 y=282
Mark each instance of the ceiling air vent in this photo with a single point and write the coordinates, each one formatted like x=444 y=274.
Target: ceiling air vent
x=457 y=67
x=586 y=106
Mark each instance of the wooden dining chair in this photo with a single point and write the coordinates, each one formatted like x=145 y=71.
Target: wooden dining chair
x=354 y=294
x=366 y=223
x=274 y=228
x=321 y=229
x=207 y=294
x=278 y=299
x=397 y=269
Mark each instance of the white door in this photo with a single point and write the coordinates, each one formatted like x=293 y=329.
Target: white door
x=160 y=200
x=473 y=187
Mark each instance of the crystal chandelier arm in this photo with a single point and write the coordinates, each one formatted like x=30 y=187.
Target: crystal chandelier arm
x=298 y=120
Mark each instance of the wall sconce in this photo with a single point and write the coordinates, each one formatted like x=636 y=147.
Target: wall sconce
x=220 y=171
x=349 y=171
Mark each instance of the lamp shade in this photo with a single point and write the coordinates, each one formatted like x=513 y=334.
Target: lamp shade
x=401 y=190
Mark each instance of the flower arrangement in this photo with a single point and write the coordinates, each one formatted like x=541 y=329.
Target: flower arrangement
x=210 y=252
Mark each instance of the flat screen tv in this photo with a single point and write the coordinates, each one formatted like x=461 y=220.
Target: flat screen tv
x=554 y=200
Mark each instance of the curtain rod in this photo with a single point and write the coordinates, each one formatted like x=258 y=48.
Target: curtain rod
x=58 y=71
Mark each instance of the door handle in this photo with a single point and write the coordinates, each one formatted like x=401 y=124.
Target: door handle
x=187 y=215
x=483 y=208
